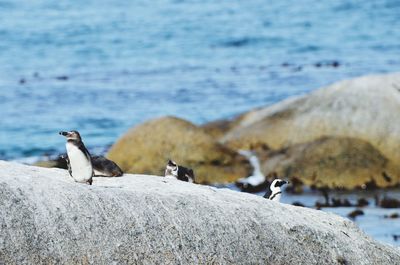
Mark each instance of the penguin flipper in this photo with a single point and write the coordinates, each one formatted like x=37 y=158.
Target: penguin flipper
x=68 y=164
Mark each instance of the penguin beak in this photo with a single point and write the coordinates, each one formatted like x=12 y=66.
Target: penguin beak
x=64 y=133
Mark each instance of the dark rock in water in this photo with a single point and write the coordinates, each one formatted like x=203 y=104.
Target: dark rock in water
x=388 y=202
x=62 y=78
x=346 y=203
x=392 y=216
x=22 y=81
x=325 y=193
x=362 y=202
x=355 y=213
x=335 y=64
x=377 y=200
x=335 y=202
x=319 y=205
x=396 y=237
x=298 y=204
x=341 y=203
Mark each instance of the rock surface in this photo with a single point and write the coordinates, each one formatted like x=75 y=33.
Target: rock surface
x=147 y=148
x=365 y=108
x=334 y=162
x=46 y=218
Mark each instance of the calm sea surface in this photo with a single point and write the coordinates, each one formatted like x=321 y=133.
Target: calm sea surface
x=101 y=67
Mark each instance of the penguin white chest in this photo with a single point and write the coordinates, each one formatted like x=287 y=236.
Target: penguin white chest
x=81 y=166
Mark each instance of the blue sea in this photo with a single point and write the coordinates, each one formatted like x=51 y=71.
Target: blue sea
x=101 y=67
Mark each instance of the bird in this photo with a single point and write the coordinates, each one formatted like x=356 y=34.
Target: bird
x=276 y=191
x=104 y=167
x=179 y=172
x=79 y=160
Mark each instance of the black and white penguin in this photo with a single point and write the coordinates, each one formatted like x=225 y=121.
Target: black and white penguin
x=172 y=170
x=104 y=167
x=79 y=161
x=276 y=191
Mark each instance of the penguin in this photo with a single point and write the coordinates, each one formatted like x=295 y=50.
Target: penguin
x=275 y=188
x=79 y=161
x=104 y=167
x=179 y=172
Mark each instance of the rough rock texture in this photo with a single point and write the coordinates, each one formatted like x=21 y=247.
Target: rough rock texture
x=219 y=128
x=334 y=162
x=366 y=108
x=146 y=149
x=46 y=218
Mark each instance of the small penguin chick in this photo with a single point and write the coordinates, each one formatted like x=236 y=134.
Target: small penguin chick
x=79 y=159
x=179 y=172
x=276 y=191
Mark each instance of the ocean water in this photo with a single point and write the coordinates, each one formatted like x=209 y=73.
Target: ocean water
x=101 y=67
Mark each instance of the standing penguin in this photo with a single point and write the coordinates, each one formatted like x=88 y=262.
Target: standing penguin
x=276 y=190
x=179 y=172
x=79 y=161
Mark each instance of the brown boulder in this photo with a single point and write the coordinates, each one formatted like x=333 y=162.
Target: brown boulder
x=365 y=108
x=146 y=148
x=334 y=162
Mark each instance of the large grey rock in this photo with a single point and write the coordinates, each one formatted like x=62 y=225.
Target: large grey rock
x=46 y=218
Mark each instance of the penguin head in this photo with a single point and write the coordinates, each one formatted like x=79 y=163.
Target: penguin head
x=277 y=184
x=71 y=135
x=171 y=168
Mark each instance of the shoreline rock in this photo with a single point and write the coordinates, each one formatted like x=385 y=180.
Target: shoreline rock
x=358 y=119
x=364 y=108
x=146 y=148
x=334 y=162
x=45 y=217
